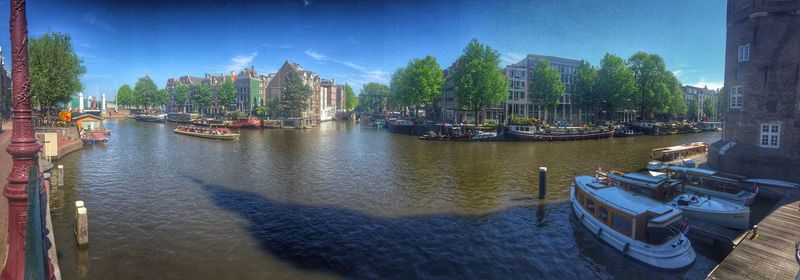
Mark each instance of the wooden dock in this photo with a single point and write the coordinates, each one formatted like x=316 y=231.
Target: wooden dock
x=769 y=252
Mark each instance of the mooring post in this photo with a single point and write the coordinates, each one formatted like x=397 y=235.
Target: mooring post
x=60 y=174
x=542 y=182
x=81 y=224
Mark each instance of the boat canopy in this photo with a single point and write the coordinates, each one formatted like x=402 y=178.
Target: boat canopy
x=699 y=171
x=774 y=183
x=631 y=203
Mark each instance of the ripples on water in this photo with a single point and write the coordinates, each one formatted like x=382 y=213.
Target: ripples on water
x=338 y=201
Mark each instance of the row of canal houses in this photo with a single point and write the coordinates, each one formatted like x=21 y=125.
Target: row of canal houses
x=256 y=90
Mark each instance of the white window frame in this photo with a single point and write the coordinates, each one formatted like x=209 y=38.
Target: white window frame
x=769 y=135
x=736 y=97
x=744 y=53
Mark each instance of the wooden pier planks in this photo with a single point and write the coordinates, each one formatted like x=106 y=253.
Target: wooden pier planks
x=771 y=255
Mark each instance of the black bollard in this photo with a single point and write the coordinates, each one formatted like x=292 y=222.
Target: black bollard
x=542 y=182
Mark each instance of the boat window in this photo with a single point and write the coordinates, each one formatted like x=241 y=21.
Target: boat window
x=660 y=235
x=603 y=214
x=590 y=205
x=621 y=223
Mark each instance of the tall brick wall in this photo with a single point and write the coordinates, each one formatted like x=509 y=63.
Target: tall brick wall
x=770 y=81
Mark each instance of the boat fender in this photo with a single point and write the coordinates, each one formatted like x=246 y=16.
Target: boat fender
x=599 y=232
x=626 y=248
x=694 y=199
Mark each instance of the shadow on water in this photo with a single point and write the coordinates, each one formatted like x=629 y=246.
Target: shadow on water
x=535 y=242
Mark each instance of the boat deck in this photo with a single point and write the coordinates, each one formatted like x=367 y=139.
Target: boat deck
x=771 y=254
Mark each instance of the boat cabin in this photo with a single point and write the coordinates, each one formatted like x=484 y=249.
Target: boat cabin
x=656 y=187
x=711 y=180
x=674 y=153
x=635 y=216
x=88 y=122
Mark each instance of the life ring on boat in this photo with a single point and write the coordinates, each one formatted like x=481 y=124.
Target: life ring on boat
x=694 y=199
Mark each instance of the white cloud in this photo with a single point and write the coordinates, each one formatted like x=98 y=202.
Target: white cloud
x=315 y=55
x=93 y=20
x=710 y=84
x=240 y=62
x=365 y=76
x=510 y=58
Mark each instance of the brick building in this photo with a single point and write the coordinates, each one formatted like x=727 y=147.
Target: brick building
x=761 y=137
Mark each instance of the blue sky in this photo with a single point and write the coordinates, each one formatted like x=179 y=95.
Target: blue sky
x=365 y=41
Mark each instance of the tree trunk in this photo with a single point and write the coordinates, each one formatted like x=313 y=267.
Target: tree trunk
x=544 y=119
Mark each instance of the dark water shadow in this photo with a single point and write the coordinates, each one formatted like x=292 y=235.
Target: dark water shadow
x=509 y=244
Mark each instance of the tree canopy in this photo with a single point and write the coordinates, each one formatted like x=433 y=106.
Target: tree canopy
x=547 y=85
x=587 y=96
x=55 y=69
x=202 y=96
x=180 y=94
x=161 y=98
x=418 y=83
x=296 y=96
x=373 y=97
x=479 y=80
x=226 y=95
x=350 y=99
x=125 y=96
x=144 y=92
x=615 y=84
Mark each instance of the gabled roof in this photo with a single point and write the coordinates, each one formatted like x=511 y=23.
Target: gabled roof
x=86 y=116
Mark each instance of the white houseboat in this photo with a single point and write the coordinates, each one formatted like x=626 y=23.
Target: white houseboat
x=644 y=229
x=535 y=133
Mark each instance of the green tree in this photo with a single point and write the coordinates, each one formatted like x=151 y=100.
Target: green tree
x=693 y=108
x=479 y=80
x=180 y=95
x=373 y=97
x=202 y=96
x=55 y=70
x=397 y=98
x=420 y=83
x=587 y=97
x=161 y=98
x=709 y=107
x=226 y=94
x=145 y=91
x=296 y=96
x=547 y=86
x=654 y=84
x=350 y=99
x=125 y=96
x=273 y=107
x=673 y=92
x=615 y=84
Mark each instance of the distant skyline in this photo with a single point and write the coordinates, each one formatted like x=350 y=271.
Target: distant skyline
x=365 y=41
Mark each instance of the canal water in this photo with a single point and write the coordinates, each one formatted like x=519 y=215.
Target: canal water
x=339 y=201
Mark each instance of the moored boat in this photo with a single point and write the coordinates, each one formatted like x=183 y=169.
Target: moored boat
x=400 y=126
x=677 y=153
x=150 y=118
x=637 y=226
x=670 y=192
x=250 y=122
x=219 y=133
x=535 y=133
x=182 y=117
x=713 y=184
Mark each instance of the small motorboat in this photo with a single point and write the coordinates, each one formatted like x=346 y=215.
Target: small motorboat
x=671 y=192
x=714 y=184
x=640 y=227
x=219 y=133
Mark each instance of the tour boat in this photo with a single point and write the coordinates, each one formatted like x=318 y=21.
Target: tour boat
x=711 y=183
x=679 y=152
x=535 y=133
x=400 y=126
x=670 y=192
x=219 y=133
x=644 y=229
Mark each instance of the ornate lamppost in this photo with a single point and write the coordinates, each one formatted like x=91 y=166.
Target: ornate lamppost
x=23 y=147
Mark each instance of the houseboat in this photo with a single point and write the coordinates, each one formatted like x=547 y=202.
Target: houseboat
x=150 y=118
x=400 y=126
x=639 y=227
x=649 y=128
x=536 y=133
x=675 y=154
x=91 y=124
x=248 y=122
x=710 y=126
x=713 y=184
x=670 y=192
x=219 y=133
x=625 y=131
x=182 y=117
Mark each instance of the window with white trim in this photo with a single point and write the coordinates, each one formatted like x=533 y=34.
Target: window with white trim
x=770 y=136
x=744 y=53
x=736 y=97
